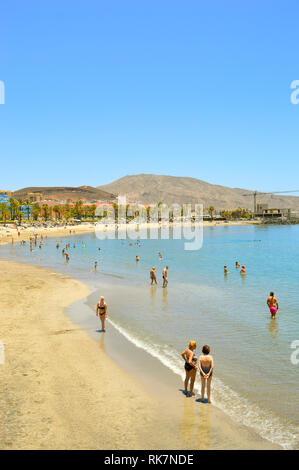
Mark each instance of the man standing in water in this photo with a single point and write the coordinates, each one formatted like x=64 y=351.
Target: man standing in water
x=272 y=303
x=102 y=311
x=153 y=275
x=164 y=275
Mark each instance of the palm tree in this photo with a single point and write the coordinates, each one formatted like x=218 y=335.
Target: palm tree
x=28 y=205
x=211 y=210
x=4 y=211
x=78 y=209
x=35 y=211
x=57 y=211
x=46 y=211
x=13 y=207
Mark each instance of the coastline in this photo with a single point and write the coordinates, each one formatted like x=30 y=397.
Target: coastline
x=63 y=390
x=7 y=237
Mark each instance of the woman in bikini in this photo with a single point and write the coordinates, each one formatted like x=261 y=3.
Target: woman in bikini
x=190 y=366
x=206 y=366
x=102 y=311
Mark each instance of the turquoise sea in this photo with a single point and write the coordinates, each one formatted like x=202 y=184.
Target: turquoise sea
x=255 y=380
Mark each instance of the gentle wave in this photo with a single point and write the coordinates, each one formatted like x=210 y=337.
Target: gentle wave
x=265 y=423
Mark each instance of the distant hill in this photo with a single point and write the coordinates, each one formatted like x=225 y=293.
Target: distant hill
x=171 y=189
x=71 y=194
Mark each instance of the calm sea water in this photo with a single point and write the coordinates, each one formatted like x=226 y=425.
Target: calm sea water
x=254 y=380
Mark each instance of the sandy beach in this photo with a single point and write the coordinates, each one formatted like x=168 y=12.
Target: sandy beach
x=60 y=390
x=8 y=236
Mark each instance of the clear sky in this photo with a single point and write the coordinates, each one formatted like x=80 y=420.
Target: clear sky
x=95 y=90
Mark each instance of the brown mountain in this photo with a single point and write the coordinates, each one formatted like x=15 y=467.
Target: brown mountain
x=149 y=189
x=70 y=194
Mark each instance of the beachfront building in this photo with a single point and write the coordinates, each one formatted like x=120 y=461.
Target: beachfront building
x=34 y=197
x=4 y=196
x=277 y=213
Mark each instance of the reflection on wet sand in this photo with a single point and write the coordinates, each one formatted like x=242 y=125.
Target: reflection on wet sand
x=203 y=436
x=102 y=343
x=153 y=291
x=273 y=328
x=165 y=302
x=196 y=427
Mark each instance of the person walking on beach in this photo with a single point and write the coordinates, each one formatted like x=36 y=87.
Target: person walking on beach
x=190 y=366
x=153 y=275
x=164 y=276
x=272 y=303
x=102 y=311
x=95 y=265
x=206 y=366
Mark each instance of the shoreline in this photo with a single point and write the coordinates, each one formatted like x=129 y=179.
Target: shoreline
x=99 y=374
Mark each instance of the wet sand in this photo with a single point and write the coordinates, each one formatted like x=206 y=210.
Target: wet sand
x=60 y=390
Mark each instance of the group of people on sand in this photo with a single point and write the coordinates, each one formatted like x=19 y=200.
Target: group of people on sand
x=153 y=276
x=204 y=364
x=238 y=266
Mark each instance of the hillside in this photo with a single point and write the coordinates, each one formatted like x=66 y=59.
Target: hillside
x=71 y=194
x=171 y=189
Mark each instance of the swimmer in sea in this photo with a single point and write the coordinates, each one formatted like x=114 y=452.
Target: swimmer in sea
x=153 y=275
x=67 y=257
x=225 y=270
x=164 y=276
x=137 y=258
x=95 y=265
x=206 y=366
x=243 y=270
x=272 y=303
x=238 y=264
x=102 y=311
x=190 y=366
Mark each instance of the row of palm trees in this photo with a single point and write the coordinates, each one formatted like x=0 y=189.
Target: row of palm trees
x=19 y=209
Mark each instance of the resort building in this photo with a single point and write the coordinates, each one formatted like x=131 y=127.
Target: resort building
x=4 y=196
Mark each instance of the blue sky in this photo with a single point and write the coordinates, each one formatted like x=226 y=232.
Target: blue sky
x=95 y=90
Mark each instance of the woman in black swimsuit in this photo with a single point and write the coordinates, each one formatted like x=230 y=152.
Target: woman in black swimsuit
x=206 y=366
x=102 y=312
x=190 y=366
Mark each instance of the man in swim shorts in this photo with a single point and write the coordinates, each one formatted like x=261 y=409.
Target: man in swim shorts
x=272 y=303
x=164 y=276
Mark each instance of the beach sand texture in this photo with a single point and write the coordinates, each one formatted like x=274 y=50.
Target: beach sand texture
x=59 y=390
